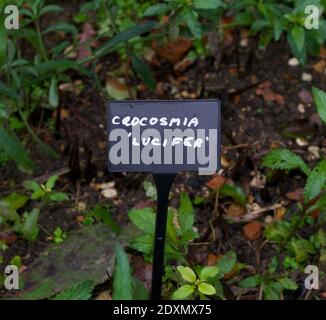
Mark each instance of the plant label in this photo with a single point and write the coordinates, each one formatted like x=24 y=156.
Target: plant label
x=164 y=136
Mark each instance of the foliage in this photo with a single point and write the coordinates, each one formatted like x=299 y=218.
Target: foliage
x=270 y=19
x=82 y=291
x=125 y=286
x=286 y=160
x=27 y=224
x=272 y=286
x=179 y=230
x=205 y=281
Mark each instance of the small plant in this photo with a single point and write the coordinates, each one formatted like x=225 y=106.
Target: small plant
x=270 y=19
x=270 y=284
x=59 y=235
x=179 y=230
x=203 y=282
x=27 y=224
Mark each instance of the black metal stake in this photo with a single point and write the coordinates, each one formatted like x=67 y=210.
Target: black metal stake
x=163 y=183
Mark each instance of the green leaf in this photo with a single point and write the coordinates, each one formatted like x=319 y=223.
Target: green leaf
x=37 y=194
x=144 y=219
x=320 y=100
x=102 y=213
x=53 y=93
x=31 y=185
x=298 y=35
x=250 y=282
x=138 y=289
x=29 y=229
x=143 y=71
x=271 y=293
x=156 y=10
x=227 y=263
x=187 y=274
x=236 y=193
x=82 y=291
x=278 y=29
x=192 y=22
x=16 y=200
x=285 y=160
x=61 y=26
x=124 y=36
x=208 y=272
x=183 y=292
x=316 y=181
x=207 y=4
x=143 y=243
x=278 y=231
x=3 y=43
x=122 y=282
x=300 y=248
x=58 y=197
x=50 y=9
x=186 y=213
x=14 y=150
x=51 y=182
x=8 y=92
x=288 y=284
x=206 y=288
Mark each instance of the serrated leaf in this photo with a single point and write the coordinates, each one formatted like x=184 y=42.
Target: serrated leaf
x=82 y=291
x=143 y=71
x=316 y=181
x=183 y=292
x=208 y=272
x=143 y=243
x=186 y=212
x=122 y=283
x=234 y=192
x=278 y=231
x=285 y=160
x=288 y=284
x=144 y=219
x=187 y=273
x=29 y=229
x=320 y=100
x=250 y=282
x=206 y=288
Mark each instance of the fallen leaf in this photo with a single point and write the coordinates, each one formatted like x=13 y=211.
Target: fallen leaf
x=280 y=213
x=265 y=90
x=253 y=230
x=212 y=259
x=104 y=296
x=84 y=50
x=216 y=182
x=235 y=210
x=8 y=237
x=118 y=89
x=173 y=51
x=296 y=195
x=319 y=66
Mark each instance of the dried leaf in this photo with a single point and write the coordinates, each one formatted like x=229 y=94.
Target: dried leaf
x=253 y=230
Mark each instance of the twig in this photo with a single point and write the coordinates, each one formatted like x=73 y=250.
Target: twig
x=252 y=215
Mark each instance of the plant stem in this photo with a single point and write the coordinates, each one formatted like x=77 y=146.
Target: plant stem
x=40 y=40
x=44 y=146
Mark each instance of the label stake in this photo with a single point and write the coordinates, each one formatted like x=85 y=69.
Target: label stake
x=163 y=183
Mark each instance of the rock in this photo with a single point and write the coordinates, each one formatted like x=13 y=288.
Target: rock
x=301 y=108
x=314 y=150
x=293 y=62
x=306 y=77
x=253 y=230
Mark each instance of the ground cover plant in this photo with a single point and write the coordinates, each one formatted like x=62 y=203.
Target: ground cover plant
x=249 y=232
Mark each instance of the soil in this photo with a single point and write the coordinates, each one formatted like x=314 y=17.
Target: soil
x=251 y=126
